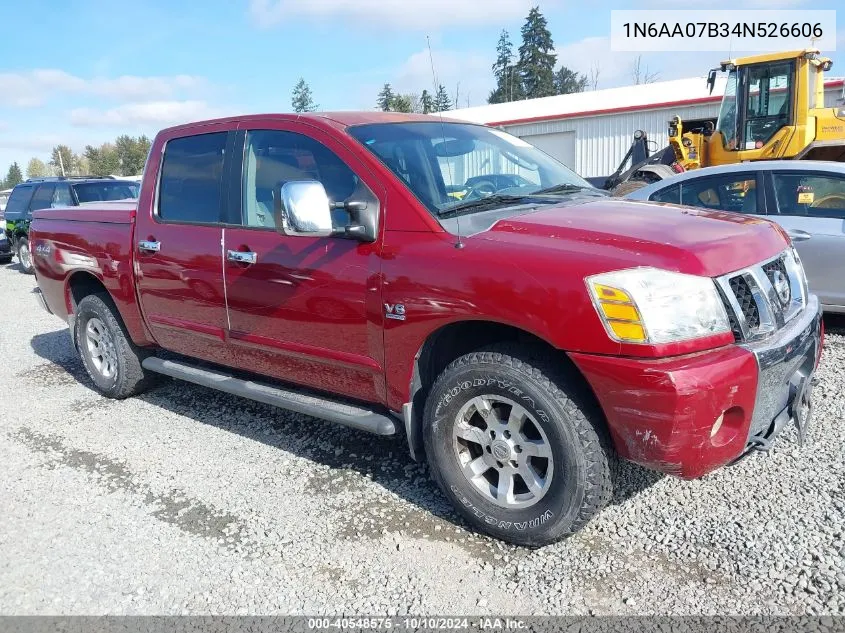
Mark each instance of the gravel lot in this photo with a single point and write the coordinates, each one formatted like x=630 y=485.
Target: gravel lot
x=189 y=501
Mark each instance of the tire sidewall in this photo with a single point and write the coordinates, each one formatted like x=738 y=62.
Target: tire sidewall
x=24 y=243
x=87 y=309
x=555 y=512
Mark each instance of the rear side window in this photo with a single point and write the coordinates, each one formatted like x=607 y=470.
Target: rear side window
x=191 y=179
x=61 y=197
x=670 y=194
x=19 y=202
x=807 y=194
x=731 y=192
x=43 y=197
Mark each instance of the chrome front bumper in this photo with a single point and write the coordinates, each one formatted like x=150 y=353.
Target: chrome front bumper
x=786 y=361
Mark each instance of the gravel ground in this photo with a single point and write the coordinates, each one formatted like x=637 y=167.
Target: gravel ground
x=185 y=500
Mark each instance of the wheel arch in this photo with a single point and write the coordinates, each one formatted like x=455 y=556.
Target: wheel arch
x=452 y=341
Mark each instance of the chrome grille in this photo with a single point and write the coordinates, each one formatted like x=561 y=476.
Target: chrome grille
x=745 y=298
x=761 y=299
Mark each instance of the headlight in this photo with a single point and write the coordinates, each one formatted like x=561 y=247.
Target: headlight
x=648 y=305
x=2 y=234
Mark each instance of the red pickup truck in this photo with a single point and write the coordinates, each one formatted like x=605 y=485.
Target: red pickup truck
x=400 y=273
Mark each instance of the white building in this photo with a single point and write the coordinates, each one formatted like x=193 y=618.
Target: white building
x=590 y=132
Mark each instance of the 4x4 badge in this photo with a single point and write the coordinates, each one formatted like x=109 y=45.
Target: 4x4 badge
x=395 y=311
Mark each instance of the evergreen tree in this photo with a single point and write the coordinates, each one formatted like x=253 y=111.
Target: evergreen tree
x=13 y=177
x=508 y=82
x=402 y=103
x=426 y=102
x=301 y=99
x=386 y=98
x=63 y=161
x=568 y=81
x=442 y=102
x=536 y=57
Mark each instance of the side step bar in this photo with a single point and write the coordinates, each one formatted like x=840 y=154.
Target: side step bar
x=344 y=413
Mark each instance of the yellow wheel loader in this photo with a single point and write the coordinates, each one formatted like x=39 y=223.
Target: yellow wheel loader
x=773 y=108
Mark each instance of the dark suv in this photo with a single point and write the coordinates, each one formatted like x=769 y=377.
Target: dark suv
x=44 y=193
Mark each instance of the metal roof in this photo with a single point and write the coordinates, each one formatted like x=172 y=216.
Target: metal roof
x=661 y=94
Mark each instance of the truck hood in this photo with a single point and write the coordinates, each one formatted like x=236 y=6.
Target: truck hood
x=694 y=241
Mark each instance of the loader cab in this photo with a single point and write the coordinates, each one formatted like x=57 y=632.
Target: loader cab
x=758 y=103
x=770 y=108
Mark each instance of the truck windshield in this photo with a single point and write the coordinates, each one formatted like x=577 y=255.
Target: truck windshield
x=449 y=165
x=106 y=190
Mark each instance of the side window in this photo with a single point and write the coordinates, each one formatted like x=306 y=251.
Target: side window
x=670 y=194
x=43 y=197
x=19 y=202
x=191 y=179
x=732 y=192
x=274 y=157
x=61 y=197
x=807 y=194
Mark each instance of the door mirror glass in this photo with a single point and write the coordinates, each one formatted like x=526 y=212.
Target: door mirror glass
x=304 y=210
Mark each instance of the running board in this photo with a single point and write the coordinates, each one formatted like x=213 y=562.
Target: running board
x=344 y=413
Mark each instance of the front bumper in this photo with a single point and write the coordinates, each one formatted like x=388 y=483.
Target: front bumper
x=689 y=415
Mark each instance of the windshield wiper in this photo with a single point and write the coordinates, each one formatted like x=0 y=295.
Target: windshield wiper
x=497 y=199
x=565 y=188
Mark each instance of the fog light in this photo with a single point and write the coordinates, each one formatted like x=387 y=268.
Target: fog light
x=717 y=426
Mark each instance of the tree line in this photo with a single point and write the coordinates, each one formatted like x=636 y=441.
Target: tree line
x=123 y=157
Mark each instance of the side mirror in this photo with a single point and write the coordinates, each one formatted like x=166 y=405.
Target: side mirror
x=302 y=208
x=711 y=79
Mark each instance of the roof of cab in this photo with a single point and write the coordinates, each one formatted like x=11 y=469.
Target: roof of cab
x=336 y=119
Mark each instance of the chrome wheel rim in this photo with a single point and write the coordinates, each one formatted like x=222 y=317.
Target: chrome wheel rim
x=24 y=255
x=101 y=348
x=503 y=451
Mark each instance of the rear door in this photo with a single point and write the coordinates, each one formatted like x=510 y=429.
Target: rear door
x=811 y=207
x=178 y=239
x=307 y=309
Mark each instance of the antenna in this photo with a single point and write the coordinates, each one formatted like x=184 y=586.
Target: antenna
x=460 y=243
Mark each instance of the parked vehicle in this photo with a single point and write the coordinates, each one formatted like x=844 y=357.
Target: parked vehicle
x=517 y=337
x=45 y=193
x=806 y=198
x=5 y=248
x=4 y=198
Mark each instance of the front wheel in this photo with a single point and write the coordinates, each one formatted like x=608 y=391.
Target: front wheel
x=25 y=256
x=515 y=447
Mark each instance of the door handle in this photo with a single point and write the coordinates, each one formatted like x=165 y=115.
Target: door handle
x=242 y=257
x=797 y=235
x=149 y=246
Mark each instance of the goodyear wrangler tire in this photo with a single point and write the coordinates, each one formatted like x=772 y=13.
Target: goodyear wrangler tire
x=515 y=446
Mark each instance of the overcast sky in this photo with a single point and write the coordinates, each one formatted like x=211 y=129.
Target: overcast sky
x=85 y=74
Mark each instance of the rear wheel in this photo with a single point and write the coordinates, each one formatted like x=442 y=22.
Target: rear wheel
x=511 y=442
x=112 y=361
x=25 y=256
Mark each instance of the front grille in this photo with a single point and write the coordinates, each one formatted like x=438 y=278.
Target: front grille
x=757 y=300
x=745 y=298
x=775 y=265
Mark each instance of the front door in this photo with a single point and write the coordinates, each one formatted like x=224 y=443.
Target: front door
x=303 y=309
x=178 y=241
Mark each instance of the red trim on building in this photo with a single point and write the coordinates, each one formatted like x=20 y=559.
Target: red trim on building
x=645 y=106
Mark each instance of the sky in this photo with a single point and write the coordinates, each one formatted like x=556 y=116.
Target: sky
x=84 y=72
